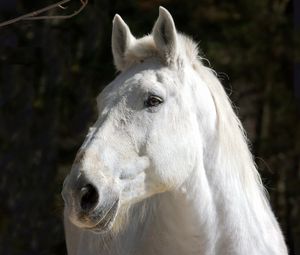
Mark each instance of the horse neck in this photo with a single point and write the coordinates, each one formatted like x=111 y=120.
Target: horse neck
x=181 y=225
x=215 y=212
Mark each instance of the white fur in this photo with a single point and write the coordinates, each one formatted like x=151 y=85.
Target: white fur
x=183 y=171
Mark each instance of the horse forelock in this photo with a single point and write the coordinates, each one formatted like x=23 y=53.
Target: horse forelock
x=145 y=47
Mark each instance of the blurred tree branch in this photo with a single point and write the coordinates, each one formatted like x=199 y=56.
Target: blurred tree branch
x=35 y=14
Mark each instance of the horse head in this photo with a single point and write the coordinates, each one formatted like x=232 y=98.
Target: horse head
x=146 y=139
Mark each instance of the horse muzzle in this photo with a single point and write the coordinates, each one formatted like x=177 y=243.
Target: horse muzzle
x=90 y=206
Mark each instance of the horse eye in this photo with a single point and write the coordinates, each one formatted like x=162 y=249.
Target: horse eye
x=153 y=101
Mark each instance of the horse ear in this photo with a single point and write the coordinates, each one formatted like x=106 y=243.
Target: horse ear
x=165 y=36
x=122 y=39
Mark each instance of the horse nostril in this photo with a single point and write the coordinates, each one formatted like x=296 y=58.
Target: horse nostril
x=89 y=197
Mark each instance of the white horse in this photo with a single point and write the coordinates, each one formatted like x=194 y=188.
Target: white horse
x=166 y=168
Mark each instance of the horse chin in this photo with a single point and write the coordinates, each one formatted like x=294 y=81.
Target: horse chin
x=97 y=222
x=106 y=223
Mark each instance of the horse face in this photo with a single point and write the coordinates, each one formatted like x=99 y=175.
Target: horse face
x=139 y=146
x=145 y=140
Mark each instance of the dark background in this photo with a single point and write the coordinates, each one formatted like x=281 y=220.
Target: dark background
x=51 y=72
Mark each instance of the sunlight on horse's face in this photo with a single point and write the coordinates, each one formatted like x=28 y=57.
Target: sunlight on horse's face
x=147 y=123
x=139 y=146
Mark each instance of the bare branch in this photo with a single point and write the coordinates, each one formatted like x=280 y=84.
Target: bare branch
x=83 y=4
x=62 y=7
x=35 y=14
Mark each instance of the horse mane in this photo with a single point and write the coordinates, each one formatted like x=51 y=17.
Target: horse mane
x=234 y=154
